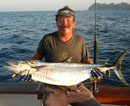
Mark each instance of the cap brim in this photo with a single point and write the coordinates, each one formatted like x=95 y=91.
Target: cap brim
x=69 y=15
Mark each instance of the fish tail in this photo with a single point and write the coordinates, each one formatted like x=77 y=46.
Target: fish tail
x=117 y=63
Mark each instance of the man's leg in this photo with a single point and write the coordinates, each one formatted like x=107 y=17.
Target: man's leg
x=54 y=97
x=91 y=102
x=83 y=97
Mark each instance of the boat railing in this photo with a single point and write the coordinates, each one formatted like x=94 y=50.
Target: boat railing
x=106 y=95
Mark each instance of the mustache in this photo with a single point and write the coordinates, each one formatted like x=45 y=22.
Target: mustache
x=65 y=26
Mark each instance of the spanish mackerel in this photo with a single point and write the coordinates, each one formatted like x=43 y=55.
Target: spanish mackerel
x=65 y=74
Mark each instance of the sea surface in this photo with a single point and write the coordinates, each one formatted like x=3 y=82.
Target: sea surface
x=20 y=33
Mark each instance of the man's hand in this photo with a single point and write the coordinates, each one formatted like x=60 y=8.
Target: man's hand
x=14 y=75
x=97 y=75
x=26 y=75
x=88 y=61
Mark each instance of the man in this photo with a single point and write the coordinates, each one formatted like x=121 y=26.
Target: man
x=61 y=46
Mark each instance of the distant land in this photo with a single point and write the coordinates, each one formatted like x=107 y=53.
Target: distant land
x=112 y=6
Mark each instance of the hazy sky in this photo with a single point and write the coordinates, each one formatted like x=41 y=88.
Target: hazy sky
x=35 y=5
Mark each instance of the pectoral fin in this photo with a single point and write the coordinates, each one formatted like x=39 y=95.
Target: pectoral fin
x=39 y=67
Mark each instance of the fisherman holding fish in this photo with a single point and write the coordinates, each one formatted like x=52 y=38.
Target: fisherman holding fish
x=62 y=80
x=65 y=46
x=62 y=73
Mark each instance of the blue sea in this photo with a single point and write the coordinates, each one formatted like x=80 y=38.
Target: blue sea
x=20 y=33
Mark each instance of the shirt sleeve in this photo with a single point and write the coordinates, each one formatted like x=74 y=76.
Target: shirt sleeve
x=85 y=52
x=42 y=47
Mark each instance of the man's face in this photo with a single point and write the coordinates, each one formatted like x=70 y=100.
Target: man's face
x=65 y=24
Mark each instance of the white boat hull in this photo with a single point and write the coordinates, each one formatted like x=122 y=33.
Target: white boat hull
x=19 y=100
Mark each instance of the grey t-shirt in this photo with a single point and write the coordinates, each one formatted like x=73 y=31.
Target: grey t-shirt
x=56 y=50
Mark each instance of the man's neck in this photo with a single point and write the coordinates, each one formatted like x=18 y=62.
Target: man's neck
x=65 y=37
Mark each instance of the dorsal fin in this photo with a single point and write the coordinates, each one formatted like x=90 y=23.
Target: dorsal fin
x=68 y=60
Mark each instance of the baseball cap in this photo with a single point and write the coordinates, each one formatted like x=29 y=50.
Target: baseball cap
x=66 y=11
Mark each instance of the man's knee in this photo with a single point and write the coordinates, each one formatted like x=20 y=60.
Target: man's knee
x=55 y=98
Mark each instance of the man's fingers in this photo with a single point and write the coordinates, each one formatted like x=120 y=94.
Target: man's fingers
x=14 y=75
x=96 y=73
x=26 y=76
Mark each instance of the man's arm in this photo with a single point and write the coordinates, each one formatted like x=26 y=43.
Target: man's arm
x=88 y=61
x=35 y=57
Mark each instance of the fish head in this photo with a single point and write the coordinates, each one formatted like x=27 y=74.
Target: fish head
x=17 y=66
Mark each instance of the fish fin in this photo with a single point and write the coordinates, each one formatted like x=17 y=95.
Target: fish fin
x=121 y=57
x=117 y=63
x=68 y=60
x=39 y=67
x=121 y=77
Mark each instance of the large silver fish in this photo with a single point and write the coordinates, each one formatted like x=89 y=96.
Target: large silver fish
x=65 y=74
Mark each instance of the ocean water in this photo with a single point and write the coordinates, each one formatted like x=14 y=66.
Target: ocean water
x=20 y=33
